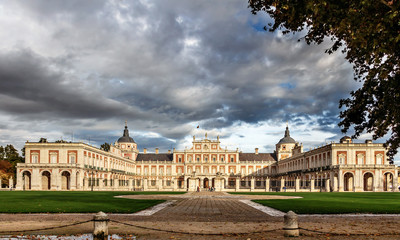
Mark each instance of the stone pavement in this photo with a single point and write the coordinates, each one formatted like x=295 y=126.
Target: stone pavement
x=215 y=206
x=223 y=215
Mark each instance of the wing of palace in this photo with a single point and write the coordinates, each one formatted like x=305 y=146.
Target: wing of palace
x=206 y=165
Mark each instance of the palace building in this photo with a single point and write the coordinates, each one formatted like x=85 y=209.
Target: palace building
x=343 y=166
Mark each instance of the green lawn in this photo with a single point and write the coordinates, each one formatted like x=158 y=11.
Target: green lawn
x=335 y=203
x=73 y=202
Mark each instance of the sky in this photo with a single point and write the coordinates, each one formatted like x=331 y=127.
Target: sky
x=77 y=70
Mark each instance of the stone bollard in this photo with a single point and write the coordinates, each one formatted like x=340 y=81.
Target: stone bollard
x=100 y=231
x=290 y=225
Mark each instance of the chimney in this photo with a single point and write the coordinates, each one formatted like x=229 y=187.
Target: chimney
x=144 y=150
x=169 y=151
x=156 y=150
x=256 y=150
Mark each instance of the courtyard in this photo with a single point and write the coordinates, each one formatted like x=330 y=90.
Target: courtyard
x=213 y=215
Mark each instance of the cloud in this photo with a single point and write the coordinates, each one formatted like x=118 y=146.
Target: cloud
x=166 y=67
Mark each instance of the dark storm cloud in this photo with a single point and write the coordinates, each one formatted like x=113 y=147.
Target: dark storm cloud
x=163 y=65
x=28 y=86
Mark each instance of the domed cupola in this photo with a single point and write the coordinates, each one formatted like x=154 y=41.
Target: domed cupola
x=287 y=138
x=125 y=138
x=126 y=145
x=285 y=145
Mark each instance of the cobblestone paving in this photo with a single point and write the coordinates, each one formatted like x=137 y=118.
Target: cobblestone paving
x=204 y=206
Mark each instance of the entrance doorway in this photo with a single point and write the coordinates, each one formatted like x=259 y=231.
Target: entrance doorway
x=46 y=180
x=348 y=182
x=368 y=182
x=65 y=180
x=206 y=183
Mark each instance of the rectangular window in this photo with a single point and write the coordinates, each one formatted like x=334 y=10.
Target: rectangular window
x=53 y=158
x=179 y=159
x=231 y=159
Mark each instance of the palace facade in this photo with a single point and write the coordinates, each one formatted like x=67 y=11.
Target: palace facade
x=343 y=166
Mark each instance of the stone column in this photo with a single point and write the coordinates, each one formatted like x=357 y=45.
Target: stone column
x=252 y=184
x=328 y=185
x=192 y=184
x=160 y=184
x=216 y=184
x=185 y=187
x=11 y=182
x=101 y=183
x=340 y=182
x=175 y=184
x=237 y=186
x=267 y=180
x=73 y=180
x=297 y=184
x=145 y=182
x=335 y=184
x=312 y=184
x=282 y=184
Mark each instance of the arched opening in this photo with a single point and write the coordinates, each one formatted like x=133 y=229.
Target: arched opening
x=181 y=181
x=388 y=182
x=187 y=183
x=206 y=183
x=348 y=182
x=26 y=177
x=213 y=183
x=65 y=180
x=368 y=181
x=46 y=180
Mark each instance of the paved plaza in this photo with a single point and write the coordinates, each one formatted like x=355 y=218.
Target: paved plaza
x=216 y=206
x=211 y=215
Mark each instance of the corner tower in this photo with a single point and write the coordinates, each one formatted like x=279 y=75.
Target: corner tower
x=285 y=145
x=127 y=145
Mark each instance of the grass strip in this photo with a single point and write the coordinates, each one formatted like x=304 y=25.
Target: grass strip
x=74 y=202
x=334 y=202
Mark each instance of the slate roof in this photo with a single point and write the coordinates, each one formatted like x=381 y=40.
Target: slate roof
x=155 y=157
x=257 y=157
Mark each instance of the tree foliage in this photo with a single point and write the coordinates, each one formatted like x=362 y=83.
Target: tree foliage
x=9 y=158
x=105 y=146
x=368 y=33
